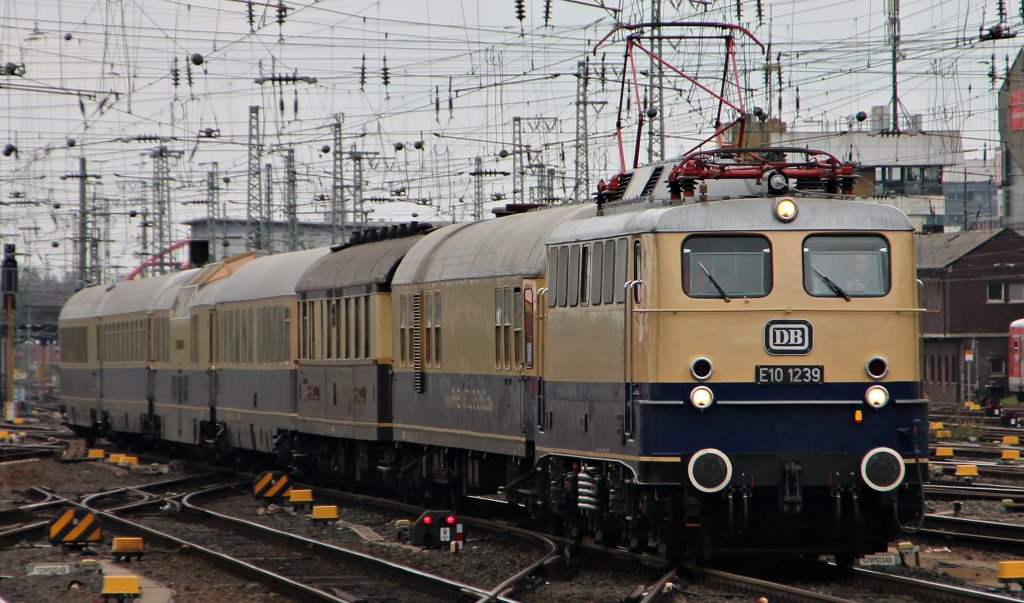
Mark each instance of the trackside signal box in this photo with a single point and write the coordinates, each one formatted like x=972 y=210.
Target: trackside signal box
x=436 y=528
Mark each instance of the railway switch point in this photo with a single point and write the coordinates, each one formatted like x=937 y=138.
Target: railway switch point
x=271 y=485
x=114 y=458
x=74 y=527
x=944 y=433
x=1011 y=440
x=934 y=425
x=325 y=513
x=121 y=588
x=96 y=453
x=301 y=500
x=124 y=548
x=943 y=451
x=1010 y=455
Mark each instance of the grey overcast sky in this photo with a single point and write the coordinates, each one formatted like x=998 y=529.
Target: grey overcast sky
x=107 y=73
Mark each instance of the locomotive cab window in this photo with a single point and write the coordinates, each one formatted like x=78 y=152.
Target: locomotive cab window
x=846 y=266
x=727 y=266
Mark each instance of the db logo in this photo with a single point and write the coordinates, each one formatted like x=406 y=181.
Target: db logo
x=788 y=337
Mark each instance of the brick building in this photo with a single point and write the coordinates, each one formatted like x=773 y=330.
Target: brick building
x=973 y=288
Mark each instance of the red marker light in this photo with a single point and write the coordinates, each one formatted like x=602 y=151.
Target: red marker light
x=427 y=520
x=450 y=519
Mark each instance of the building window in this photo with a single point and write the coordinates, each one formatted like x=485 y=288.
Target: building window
x=997 y=366
x=995 y=293
x=1015 y=293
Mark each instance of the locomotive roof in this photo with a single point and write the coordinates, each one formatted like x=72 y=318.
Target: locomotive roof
x=127 y=296
x=364 y=264
x=508 y=246
x=737 y=215
x=261 y=278
x=84 y=303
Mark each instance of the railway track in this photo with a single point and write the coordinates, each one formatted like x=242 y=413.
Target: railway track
x=29 y=521
x=294 y=565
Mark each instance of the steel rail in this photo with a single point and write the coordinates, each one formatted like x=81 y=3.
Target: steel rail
x=777 y=593
x=930 y=591
x=974 y=529
x=279 y=583
x=449 y=589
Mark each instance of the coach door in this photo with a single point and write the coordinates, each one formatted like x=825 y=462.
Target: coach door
x=529 y=337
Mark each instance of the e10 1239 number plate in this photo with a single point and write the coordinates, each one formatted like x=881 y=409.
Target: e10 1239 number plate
x=767 y=374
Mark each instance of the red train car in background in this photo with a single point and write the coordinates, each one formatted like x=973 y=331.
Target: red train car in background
x=1016 y=358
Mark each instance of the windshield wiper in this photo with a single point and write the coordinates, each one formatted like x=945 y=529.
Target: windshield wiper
x=832 y=284
x=721 y=291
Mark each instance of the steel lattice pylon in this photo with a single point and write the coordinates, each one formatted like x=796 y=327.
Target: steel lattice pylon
x=337 y=217
x=254 y=191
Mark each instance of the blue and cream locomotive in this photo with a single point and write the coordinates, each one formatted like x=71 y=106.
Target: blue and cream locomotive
x=674 y=369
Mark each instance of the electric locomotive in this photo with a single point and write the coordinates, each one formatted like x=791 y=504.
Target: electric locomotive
x=718 y=356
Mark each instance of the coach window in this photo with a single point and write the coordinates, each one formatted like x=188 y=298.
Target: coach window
x=638 y=270
x=428 y=323
x=552 y=276
x=498 y=321
x=595 y=274
x=437 y=328
x=621 y=258
x=726 y=266
x=331 y=326
x=584 y=275
x=846 y=266
x=609 y=272
x=563 y=275
x=402 y=327
x=574 y=275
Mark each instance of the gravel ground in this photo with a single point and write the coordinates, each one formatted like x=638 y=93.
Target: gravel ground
x=192 y=580
x=486 y=561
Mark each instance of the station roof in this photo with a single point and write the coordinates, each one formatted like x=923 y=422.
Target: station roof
x=939 y=250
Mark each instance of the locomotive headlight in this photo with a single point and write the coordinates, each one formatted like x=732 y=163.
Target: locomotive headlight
x=701 y=368
x=882 y=469
x=701 y=397
x=876 y=396
x=785 y=210
x=877 y=367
